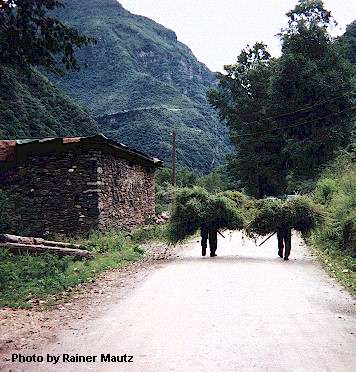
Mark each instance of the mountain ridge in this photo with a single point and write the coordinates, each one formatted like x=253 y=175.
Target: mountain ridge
x=32 y=107
x=137 y=64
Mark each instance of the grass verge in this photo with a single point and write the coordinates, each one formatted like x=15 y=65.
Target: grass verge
x=340 y=265
x=25 y=277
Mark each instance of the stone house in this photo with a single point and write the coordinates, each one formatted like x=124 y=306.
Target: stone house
x=75 y=185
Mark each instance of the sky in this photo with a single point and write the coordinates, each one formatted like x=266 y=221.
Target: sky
x=217 y=30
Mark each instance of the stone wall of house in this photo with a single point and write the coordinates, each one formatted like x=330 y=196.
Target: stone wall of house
x=127 y=194
x=55 y=192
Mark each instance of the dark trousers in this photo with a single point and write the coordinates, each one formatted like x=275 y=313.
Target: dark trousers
x=204 y=232
x=284 y=236
x=213 y=239
x=211 y=234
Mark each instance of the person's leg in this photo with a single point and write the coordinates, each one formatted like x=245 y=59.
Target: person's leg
x=280 y=244
x=213 y=241
x=204 y=239
x=288 y=244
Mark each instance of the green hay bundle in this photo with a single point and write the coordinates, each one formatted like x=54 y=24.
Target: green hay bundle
x=300 y=214
x=237 y=197
x=194 y=207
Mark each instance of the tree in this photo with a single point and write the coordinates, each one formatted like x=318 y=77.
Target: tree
x=287 y=117
x=242 y=100
x=311 y=90
x=29 y=36
x=350 y=38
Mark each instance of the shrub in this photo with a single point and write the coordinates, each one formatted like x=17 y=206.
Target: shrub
x=149 y=233
x=324 y=191
x=109 y=241
x=340 y=230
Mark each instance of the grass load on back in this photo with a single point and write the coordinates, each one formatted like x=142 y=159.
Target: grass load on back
x=195 y=209
x=299 y=214
x=272 y=216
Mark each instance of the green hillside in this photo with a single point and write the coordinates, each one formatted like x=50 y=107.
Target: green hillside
x=139 y=66
x=30 y=107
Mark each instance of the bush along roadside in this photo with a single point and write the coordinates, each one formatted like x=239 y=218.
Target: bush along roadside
x=26 y=277
x=335 y=241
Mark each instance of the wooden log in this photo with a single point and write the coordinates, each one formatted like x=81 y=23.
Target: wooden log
x=57 y=244
x=7 y=238
x=16 y=247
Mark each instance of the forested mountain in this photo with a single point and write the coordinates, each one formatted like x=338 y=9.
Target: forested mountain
x=141 y=83
x=31 y=106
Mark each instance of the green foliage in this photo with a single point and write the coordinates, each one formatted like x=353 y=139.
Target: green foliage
x=29 y=36
x=335 y=241
x=324 y=191
x=300 y=214
x=313 y=80
x=185 y=177
x=339 y=233
x=164 y=197
x=110 y=241
x=31 y=107
x=24 y=277
x=141 y=83
x=195 y=206
x=237 y=197
x=289 y=116
x=153 y=233
x=242 y=100
x=212 y=182
x=163 y=186
x=350 y=38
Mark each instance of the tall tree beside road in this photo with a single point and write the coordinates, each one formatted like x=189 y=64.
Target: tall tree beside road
x=243 y=101
x=313 y=82
x=31 y=37
x=350 y=38
x=288 y=116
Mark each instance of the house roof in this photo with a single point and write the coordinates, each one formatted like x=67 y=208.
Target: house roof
x=8 y=148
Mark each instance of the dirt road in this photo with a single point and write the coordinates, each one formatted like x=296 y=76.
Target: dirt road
x=245 y=310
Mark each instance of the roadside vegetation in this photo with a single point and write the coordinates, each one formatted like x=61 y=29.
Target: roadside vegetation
x=335 y=241
x=26 y=279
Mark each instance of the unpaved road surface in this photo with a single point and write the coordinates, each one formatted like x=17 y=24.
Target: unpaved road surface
x=245 y=310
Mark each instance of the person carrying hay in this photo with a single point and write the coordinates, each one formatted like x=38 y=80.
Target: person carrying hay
x=195 y=209
x=272 y=215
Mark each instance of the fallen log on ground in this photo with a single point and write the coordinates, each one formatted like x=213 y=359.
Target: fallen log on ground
x=7 y=238
x=60 y=251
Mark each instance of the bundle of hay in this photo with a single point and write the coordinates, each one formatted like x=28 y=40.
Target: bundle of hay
x=300 y=214
x=237 y=197
x=195 y=206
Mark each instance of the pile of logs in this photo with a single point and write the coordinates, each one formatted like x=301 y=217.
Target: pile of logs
x=18 y=244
